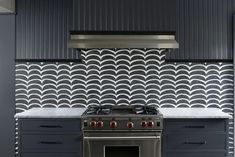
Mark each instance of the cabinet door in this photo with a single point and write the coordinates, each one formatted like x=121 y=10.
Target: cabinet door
x=50 y=125
x=194 y=141
x=196 y=126
x=50 y=155
x=51 y=142
x=42 y=29
x=195 y=137
x=204 y=30
x=196 y=154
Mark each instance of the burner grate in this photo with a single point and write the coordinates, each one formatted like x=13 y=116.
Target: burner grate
x=98 y=110
x=146 y=110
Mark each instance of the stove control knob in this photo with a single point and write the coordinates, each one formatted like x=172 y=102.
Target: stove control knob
x=100 y=124
x=113 y=124
x=150 y=124
x=130 y=125
x=144 y=124
x=93 y=124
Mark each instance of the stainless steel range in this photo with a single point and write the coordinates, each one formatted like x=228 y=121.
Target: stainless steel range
x=133 y=131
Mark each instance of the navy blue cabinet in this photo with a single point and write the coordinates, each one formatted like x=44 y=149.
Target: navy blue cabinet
x=203 y=27
x=42 y=29
x=50 y=137
x=195 y=137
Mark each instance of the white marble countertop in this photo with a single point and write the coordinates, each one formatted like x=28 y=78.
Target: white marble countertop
x=167 y=113
x=51 y=113
x=193 y=113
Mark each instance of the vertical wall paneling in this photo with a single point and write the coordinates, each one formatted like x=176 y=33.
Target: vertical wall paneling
x=43 y=29
x=203 y=27
x=43 y=25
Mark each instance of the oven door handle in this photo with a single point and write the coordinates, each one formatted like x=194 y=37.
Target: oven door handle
x=123 y=138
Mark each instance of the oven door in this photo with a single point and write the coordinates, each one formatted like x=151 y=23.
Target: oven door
x=122 y=144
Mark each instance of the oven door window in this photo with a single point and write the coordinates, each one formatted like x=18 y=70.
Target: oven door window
x=122 y=151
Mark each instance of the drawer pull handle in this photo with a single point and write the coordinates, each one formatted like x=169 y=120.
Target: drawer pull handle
x=195 y=126
x=50 y=126
x=204 y=142
x=50 y=142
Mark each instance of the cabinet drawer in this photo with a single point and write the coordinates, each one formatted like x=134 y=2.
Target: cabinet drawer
x=196 y=154
x=51 y=155
x=195 y=125
x=51 y=143
x=195 y=141
x=47 y=125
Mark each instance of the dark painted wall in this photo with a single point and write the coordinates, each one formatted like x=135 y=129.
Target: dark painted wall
x=7 y=94
x=203 y=27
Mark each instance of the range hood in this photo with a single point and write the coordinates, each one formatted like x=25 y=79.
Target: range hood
x=90 y=40
x=7 y=6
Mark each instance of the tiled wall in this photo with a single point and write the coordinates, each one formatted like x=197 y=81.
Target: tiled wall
x=125 y=77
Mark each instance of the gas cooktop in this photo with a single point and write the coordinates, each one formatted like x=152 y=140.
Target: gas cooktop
x=121 y=110
x=122 y=118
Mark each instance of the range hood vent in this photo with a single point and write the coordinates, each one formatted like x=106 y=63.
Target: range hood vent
x=90 y=40
x=7 y=6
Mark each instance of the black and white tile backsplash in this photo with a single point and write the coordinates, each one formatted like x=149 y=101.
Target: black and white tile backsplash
x=125 y=77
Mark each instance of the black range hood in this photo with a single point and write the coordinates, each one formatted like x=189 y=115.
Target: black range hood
x=90 y=40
